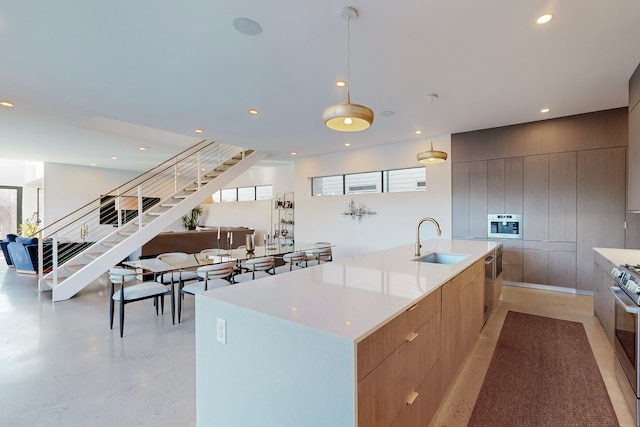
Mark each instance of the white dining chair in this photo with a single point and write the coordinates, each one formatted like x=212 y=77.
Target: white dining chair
x=211 y=277
x=292 y=261
x=131 y=289
x=256 y=268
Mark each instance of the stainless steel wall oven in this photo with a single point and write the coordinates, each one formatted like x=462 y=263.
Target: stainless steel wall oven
x=505 y=226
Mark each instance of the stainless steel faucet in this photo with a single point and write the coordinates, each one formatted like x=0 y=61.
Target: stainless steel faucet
x=418 y=245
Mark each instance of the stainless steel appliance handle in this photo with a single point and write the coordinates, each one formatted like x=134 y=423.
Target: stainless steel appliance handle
x=629 y=308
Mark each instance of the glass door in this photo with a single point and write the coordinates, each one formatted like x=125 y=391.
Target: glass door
x=10 y=209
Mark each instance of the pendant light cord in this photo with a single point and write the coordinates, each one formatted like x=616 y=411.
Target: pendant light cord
x=348 y=59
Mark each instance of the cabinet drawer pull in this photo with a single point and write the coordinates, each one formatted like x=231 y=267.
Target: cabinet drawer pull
x=413 y=307
x=412 y=336
x=412 y=398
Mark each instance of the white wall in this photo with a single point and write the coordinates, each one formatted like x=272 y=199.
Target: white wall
x=255 y=214
x=320 y=219
x=68 y=187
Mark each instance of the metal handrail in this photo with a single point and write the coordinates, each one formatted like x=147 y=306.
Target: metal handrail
x=187 y=170
x=131 y=180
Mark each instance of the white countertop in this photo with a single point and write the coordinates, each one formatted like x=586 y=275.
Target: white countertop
x=351 y=297
x=620 y=256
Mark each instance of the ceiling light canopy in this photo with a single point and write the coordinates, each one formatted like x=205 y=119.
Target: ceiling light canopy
x=348 y=117
x=431 y=156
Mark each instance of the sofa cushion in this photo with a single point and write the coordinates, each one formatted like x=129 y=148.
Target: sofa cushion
x=27 y=240
x=11 y=238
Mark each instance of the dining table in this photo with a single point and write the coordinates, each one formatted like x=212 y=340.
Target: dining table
x=216 y=256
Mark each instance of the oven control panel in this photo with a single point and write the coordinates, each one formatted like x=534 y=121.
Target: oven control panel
x=626 y=280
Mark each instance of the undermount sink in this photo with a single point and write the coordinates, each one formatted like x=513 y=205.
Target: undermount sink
x=442 y=258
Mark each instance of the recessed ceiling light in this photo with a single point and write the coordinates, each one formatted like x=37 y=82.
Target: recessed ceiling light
x=544 y=19
x=341 y=83
x=93 y=164
x=114 y=158
x=293 y=153
x=6 y=104
x=544 y=110
x=253 y=112
x=247 y=26
x=418 y=132
x=198 y=130
x=346 y=144
x=143 y=148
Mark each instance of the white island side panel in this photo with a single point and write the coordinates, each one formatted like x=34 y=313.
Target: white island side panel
x=271 y=372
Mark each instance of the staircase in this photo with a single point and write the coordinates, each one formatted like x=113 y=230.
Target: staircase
x=79 y=248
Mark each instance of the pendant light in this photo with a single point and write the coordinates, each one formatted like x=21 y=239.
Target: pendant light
x=348 y=117
x=431 y=156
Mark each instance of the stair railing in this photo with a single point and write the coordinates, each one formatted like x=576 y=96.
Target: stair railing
x=117 y=213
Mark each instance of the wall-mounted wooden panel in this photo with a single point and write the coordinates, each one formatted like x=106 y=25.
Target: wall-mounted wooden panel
x=602 y=129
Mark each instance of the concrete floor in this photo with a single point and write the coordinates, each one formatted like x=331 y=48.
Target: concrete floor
x=61 y=365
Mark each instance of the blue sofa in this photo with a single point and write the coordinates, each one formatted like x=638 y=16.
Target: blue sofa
x=24 y=253
x=4 y=244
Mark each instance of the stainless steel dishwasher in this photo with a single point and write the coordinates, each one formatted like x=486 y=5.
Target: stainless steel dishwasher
x=492 y=280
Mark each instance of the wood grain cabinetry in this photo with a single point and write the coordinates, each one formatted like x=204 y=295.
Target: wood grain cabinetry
x=478 y=199
x=405 y=367
x=535 y=218
x=469 y=199
x=600 y=202
x=633 y=151
x=460 y=199
x=504 y=185
x=393 y=363
x=603 y=298
x=549 y=263
x=462 y=318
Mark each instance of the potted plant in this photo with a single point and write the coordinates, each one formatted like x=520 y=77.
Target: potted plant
x=30 y=227
x=190 y=221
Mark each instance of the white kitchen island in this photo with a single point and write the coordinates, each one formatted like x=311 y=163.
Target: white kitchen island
x=330 y=345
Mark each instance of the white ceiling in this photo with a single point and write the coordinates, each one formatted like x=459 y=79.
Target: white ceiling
x=95 y=79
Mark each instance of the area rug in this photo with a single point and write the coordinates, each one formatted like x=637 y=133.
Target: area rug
x=543 y=373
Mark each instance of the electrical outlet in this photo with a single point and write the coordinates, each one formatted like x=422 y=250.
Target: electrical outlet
x=221 y=331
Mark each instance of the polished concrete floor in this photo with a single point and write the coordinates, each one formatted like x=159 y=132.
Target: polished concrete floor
x=61 y=365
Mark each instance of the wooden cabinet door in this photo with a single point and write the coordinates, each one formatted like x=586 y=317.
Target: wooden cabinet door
x=535 y=266
x=478 y=222
x=450 y=337
x=562 y=268
x=535 y=217
x=460 y=199
x=495 y=186
x=513 y=185
x=633 y=152
x=562 y=197
x=471 y=313
x=600 y=204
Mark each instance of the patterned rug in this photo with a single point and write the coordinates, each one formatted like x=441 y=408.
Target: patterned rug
x=543 y=373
